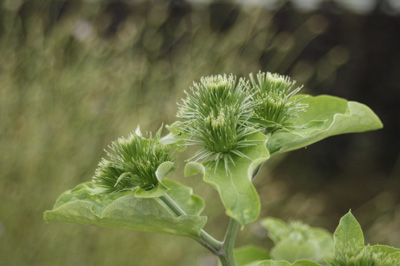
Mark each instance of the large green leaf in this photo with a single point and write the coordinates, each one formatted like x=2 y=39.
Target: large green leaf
x=325 y=116
x=235 y=188
x=295 y=240
x=125 y=210
x=348 y=233
x=283 y=263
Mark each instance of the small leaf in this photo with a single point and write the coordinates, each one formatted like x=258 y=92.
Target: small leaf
x=247 y=254
x=124 y=210
x=175 y=138
x=325 y=116
x=163 y=170
x=236 y=190
x=348 y=232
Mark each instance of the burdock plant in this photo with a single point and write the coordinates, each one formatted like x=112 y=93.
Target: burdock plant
x=237 y=125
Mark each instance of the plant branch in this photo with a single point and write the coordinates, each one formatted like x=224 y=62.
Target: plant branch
x=227 y=257
x=204 y=239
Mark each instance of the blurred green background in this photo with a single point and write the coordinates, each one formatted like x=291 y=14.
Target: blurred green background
x=75 y=75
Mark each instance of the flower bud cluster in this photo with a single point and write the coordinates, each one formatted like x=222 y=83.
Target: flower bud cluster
x=219 y=112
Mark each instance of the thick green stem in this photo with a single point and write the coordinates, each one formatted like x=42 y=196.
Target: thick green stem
x=227 y=257
x=224 y=250
x=204 y=239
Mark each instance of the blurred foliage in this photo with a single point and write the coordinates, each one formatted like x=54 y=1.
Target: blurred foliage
x=75 y=75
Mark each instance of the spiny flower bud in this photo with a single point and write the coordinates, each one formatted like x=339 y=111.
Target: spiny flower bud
x=216 y=116
x=132 y=163
x=210 y=94
x=274 y=104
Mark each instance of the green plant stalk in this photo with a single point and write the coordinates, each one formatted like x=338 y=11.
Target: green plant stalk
x=227 y=257
x=223 y=250
x=204 y=239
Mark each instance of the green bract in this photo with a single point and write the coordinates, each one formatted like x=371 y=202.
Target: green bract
x=274 y=104
x=133 y=163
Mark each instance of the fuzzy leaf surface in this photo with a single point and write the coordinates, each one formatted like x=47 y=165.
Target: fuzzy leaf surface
x=325 y=116
x=236 y=190
x=125 y=211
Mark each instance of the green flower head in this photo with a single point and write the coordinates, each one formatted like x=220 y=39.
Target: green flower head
x=212 y=93
x=216 y=116
x=132 y=163
x=274 y=105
